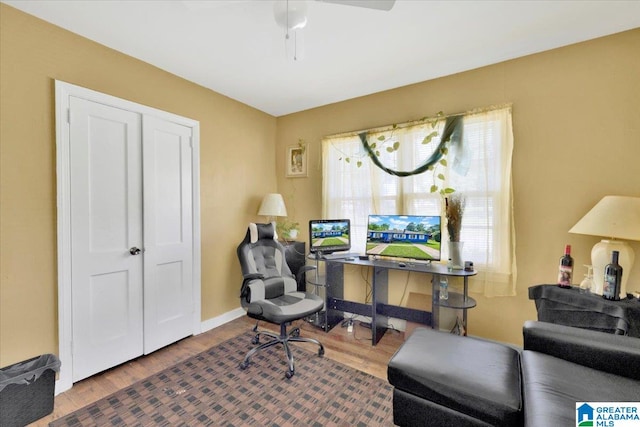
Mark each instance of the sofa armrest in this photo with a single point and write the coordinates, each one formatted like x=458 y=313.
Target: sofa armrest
x=616 y=354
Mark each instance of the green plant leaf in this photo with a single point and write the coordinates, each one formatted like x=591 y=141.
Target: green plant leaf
x=434 y=188
x=373 y=146
x=396 y=145
x=444 y=150
x=381 y=138
x=378 y=153
x=394 y=126
x=348 y=160
x=443 y=162
x=427 y=139
x=359 y=163
x=389 y=149
x=441 y=176
x=449 y=190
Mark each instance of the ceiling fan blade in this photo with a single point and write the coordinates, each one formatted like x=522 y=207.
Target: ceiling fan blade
x=385 y=5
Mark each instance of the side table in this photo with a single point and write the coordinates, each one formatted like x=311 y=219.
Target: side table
x=570 y=307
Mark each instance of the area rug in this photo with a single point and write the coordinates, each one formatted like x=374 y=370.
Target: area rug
x=209 y=389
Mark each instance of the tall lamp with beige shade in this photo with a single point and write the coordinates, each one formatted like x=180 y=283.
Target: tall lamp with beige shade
x=613 y=217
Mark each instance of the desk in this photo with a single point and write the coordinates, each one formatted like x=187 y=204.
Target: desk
x=567 y=306
x=380 y=310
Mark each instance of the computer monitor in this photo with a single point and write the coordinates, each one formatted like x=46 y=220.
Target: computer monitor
x=329 y=235
x=404 y=236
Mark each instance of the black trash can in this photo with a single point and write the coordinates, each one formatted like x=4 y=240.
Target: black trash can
x=27 y=389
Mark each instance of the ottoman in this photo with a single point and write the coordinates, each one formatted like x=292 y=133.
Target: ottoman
x=442 y=379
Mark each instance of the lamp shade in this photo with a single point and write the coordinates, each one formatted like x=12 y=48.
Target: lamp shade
x=272 y=205
x=614 y=217
x=617 y=217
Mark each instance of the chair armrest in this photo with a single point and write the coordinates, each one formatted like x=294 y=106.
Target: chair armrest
x=246 y=279
x=616 y=354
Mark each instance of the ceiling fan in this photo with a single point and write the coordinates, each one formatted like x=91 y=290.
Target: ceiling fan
x=292 y=16
x=385 y=5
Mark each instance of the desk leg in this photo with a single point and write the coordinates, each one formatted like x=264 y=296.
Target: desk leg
x=380 y=294
x=464 y=310
x=334 y=289
x=435 y=301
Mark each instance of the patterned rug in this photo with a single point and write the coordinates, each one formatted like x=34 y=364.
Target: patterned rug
x=209 y=389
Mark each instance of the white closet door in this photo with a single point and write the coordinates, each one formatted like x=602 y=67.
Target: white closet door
x=168 y=233
x=106 y=212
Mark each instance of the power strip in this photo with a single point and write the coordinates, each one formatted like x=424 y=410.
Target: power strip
x=365 y=324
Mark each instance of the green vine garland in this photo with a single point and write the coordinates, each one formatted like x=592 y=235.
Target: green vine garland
x=452 y=134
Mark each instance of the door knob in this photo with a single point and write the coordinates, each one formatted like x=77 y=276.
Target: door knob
x=134 y=251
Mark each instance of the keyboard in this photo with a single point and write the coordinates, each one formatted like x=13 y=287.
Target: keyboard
x=341 y=255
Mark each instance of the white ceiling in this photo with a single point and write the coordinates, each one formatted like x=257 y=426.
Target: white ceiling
x=235 y=48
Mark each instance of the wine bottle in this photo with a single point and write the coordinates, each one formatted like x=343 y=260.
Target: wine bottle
x=565 y=270
x=612 y=278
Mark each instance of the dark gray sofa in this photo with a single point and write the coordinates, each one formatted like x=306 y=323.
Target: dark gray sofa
x=442 y=379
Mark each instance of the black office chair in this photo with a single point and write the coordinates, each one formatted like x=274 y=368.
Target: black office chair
x=270 y=293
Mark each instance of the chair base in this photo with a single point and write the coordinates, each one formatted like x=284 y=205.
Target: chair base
x=284 y=338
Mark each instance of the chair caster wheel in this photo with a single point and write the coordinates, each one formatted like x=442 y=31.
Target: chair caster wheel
x=255 y=340
x=321 y=352
x=295 y=332
x=288 y=374
x=243 y=366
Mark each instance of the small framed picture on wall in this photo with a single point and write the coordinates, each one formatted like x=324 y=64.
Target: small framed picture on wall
x=296 y=161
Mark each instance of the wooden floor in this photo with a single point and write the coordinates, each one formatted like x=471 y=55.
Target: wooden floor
x=352 y=349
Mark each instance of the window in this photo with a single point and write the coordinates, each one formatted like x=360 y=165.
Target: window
x=353 y=187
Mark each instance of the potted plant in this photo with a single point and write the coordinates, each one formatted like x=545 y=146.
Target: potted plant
x=287 y=230
x=454 y=210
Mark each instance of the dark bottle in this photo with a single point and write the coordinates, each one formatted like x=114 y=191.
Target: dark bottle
x=612 y=278
x=565 y=270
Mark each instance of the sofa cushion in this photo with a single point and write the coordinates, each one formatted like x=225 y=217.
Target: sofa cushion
x=476 y=377
x=552 y=386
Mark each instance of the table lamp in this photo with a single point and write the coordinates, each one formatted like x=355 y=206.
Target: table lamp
x=614 y=217
x=272 y=206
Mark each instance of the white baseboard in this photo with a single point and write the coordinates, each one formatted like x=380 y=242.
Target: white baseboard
x=214 y=322
x=62 y=386
x=397 y=324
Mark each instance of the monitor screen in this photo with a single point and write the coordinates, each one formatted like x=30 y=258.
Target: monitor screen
x=404 y=236
x=329 y=235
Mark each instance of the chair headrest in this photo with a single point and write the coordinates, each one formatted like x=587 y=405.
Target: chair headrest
x=262 y=231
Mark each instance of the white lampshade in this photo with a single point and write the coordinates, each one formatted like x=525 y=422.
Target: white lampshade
x=614 y=217
x=272 y=205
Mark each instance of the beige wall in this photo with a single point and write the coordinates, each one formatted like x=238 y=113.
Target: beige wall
x=576 y=121
x=237 y=145
x=576 y=110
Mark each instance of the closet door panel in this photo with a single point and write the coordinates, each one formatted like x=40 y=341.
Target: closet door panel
x=106 y=210
x=168 y=225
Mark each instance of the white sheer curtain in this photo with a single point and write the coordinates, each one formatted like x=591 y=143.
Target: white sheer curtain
x=353 y=187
